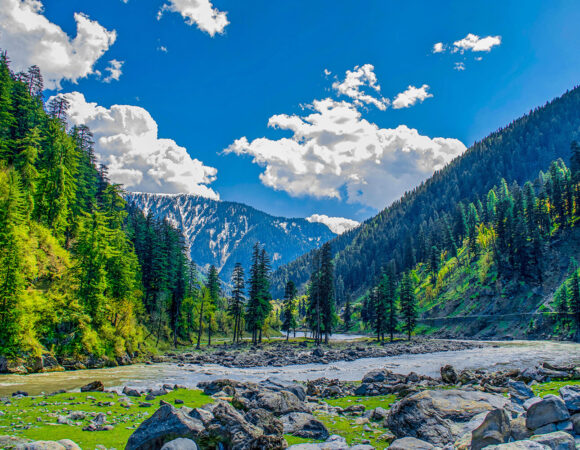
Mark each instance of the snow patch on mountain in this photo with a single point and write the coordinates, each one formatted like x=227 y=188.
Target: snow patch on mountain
x=337 y=225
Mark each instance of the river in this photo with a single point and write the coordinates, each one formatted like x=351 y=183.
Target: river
x=500 y=355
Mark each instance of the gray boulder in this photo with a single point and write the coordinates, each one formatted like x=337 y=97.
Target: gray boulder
x=571 y=397
x=165 y=425
x=518 y=429
x=265 y=420
x=441 y=416
x=519 y=445
x=519 y=391
x=410 y=443
x=551 y=409
x=304 y=425
x=63 y=444
x=180 y=444
x=279 y=403
x=448 y=374
x=278 y=384
x=495 y=429
x=334 y=442
x=560 y=440
x=95 y=386
x=576 y=423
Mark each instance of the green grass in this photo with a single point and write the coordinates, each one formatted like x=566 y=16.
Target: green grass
x=20 y=417
x=552 y=387
x=384 y=401
x=294 y=440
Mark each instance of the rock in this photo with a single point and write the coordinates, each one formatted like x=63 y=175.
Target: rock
x=232 y=430
x=304 y=425
x=180 y=444
x=545 y=429
x=145 y=404
x=519 y=391
x=448 y=374
x=519 y=445
x=279 y=403
x=519 y=431
x=131 y=392
x=44 y=445
x=12 y=441
x=550 y=409
x=571 y=397
x=166 y=424
x=278 y=384
x=531 y=401
x=68 y=444
x=560 y=440
x=20 y=394
x=95 y=386
x=178 y=401
x=576 y=423
x=334 y=442
x=266 y=421
x=379 y=413
x=441 y=416
x=410 y=443
x=495 y=429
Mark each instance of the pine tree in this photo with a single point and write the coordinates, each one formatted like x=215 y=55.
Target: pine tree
x=408 y=303
x=289 y=309
x=347 y=314
x=327 y=299
x=236 y=306
x=213 y=286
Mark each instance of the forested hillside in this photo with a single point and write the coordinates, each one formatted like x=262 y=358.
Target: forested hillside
x=222 y=233
x=79 y=275
x=505 y=265
x=515 y=153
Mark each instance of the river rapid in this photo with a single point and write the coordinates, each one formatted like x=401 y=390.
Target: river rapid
x=499 y=355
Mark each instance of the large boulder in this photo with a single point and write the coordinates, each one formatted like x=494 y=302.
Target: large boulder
x=304 y=425
x=180 y=444
x=519 y=445
x=278 y=384
x=571 y=397
x=265 y=420
x=95 y=386
x=441 y=416
x=559 y=440
x=410 y=443
x=165 y=425
x=495 y=429
x=448 y=374
x=551 y=409
x=279 y=403
x=63 y=444
x=231 y=430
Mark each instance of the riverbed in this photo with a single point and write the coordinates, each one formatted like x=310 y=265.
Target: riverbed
x=499 y=355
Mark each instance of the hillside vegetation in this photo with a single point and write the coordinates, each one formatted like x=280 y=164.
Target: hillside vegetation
x=515 y=153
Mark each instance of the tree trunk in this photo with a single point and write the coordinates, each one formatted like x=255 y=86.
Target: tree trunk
x=200 y=330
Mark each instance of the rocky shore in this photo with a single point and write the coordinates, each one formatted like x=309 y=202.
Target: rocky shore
x=282 y=354
x=276 y=354
x=459 y=410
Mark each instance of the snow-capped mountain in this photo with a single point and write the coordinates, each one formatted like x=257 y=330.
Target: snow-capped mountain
x=223 y=233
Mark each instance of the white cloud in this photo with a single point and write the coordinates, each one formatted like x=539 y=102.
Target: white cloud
x=199 y=12
x=474 y=43
x=411 y=96
x=162 y=48
x=335 y=153
x=337 y=225
x=115 y=70
x=30 y=38
x=327 y=72
x=126 y=140
x=357 y=79
x=459 y=66
x=438 y=47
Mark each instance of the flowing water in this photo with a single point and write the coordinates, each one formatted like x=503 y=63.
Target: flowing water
x=500 y=355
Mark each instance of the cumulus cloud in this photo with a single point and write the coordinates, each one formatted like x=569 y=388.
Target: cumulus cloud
x=31 y=38
x=335 y=153
x=438 y=47
x=459 y=66
x=474 y=43
x=198 y=12
x=411 y=96
x=127 y=141
x=361 y=77
x=115 y=70
x=337 y=225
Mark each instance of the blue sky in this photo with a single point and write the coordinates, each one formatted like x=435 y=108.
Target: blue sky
x=205 y=92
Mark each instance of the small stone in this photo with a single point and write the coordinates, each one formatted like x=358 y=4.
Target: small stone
x=95 y=386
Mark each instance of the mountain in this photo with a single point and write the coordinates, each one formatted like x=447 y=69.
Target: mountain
x=515 y=153
x=223 y=233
